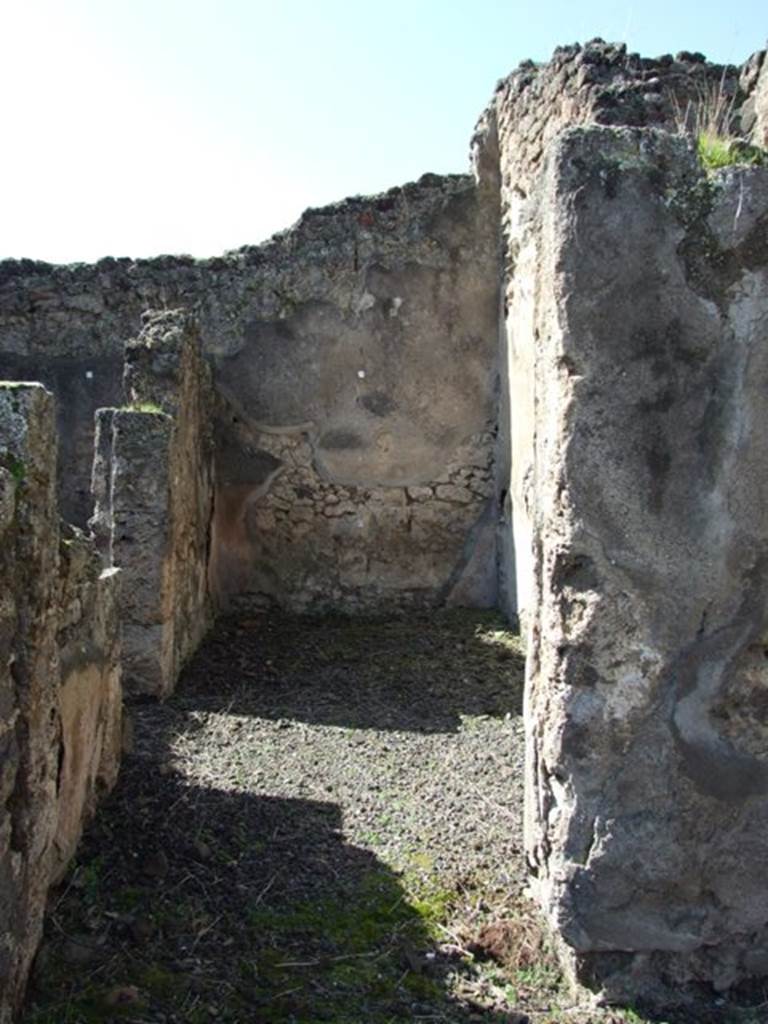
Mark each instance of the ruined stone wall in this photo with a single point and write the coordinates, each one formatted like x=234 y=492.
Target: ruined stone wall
x=153 y=482
x=357 y=428
x=67 y=326
x=647 y=818
x=355 y=358
x=60 y=699
x=636 y=312
x=312 y=543
x=90 y=693
x=643 y=352
x=598 y=83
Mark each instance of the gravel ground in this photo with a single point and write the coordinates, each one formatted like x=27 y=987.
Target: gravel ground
x=323 y=824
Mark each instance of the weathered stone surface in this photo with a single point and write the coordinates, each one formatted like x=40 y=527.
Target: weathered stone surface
x=310 y=544
x=28 y=685
x=59 y=681
x=139 y=536
x=596 y=83
x=760 y=105
x=90 y=694
x=647 y=815
x=152 y=481
x=634 y=305
x=368 y=332
x=372 y=377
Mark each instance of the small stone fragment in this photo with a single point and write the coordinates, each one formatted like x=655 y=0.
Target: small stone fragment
x=124 y=995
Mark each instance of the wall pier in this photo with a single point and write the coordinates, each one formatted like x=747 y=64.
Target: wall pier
x=60 y=697
x=153 y=488
x=647 y=801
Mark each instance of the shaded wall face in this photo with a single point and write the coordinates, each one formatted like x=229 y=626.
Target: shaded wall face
x=309 y=542
x=81 y=385
x=66 y=326
x=357 y=428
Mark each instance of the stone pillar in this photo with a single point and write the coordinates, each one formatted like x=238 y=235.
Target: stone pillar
x=152 y=483
x=647 y=788
x=134 y=450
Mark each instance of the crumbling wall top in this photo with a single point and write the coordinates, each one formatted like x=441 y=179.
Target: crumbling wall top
x=89 y=309
x=602 y=83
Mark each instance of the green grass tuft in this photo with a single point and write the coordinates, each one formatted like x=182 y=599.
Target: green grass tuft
x=718 y=151
x=710 y=120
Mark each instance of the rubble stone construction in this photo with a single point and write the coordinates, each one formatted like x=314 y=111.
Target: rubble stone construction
x=539 y=387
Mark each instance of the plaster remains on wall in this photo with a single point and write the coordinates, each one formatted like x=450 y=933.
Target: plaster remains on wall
x=310 y=543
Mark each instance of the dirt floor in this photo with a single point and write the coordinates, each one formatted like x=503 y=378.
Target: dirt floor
x=322 y=825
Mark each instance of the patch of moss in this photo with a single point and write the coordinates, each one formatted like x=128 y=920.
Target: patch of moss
x=691 y=202
x=363 y=946
x=369 y=916
x=16 y=468
x=422 y=986
x=149 y=407
x=160 y=982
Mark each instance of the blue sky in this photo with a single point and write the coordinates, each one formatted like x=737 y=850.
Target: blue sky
x=137 y=127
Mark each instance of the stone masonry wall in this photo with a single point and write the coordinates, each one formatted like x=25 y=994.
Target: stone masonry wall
x=357 y=424
x=598 y=83
x=367 y=336
x=67 y=325
x=90 y=692
x=635 y=313
x=60 y=700
x=312 y=543
x=647 y=814
x=153 y=485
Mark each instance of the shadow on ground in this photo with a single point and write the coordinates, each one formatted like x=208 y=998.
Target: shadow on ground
x=432 y=670
x=194 y=902
x=193 y=905
x=218 y=884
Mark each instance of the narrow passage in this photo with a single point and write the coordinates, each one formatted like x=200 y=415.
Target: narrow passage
x=323 y=824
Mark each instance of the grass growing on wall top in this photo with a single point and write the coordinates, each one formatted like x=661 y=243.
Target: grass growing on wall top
x=710 y=120
x=718 y=151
